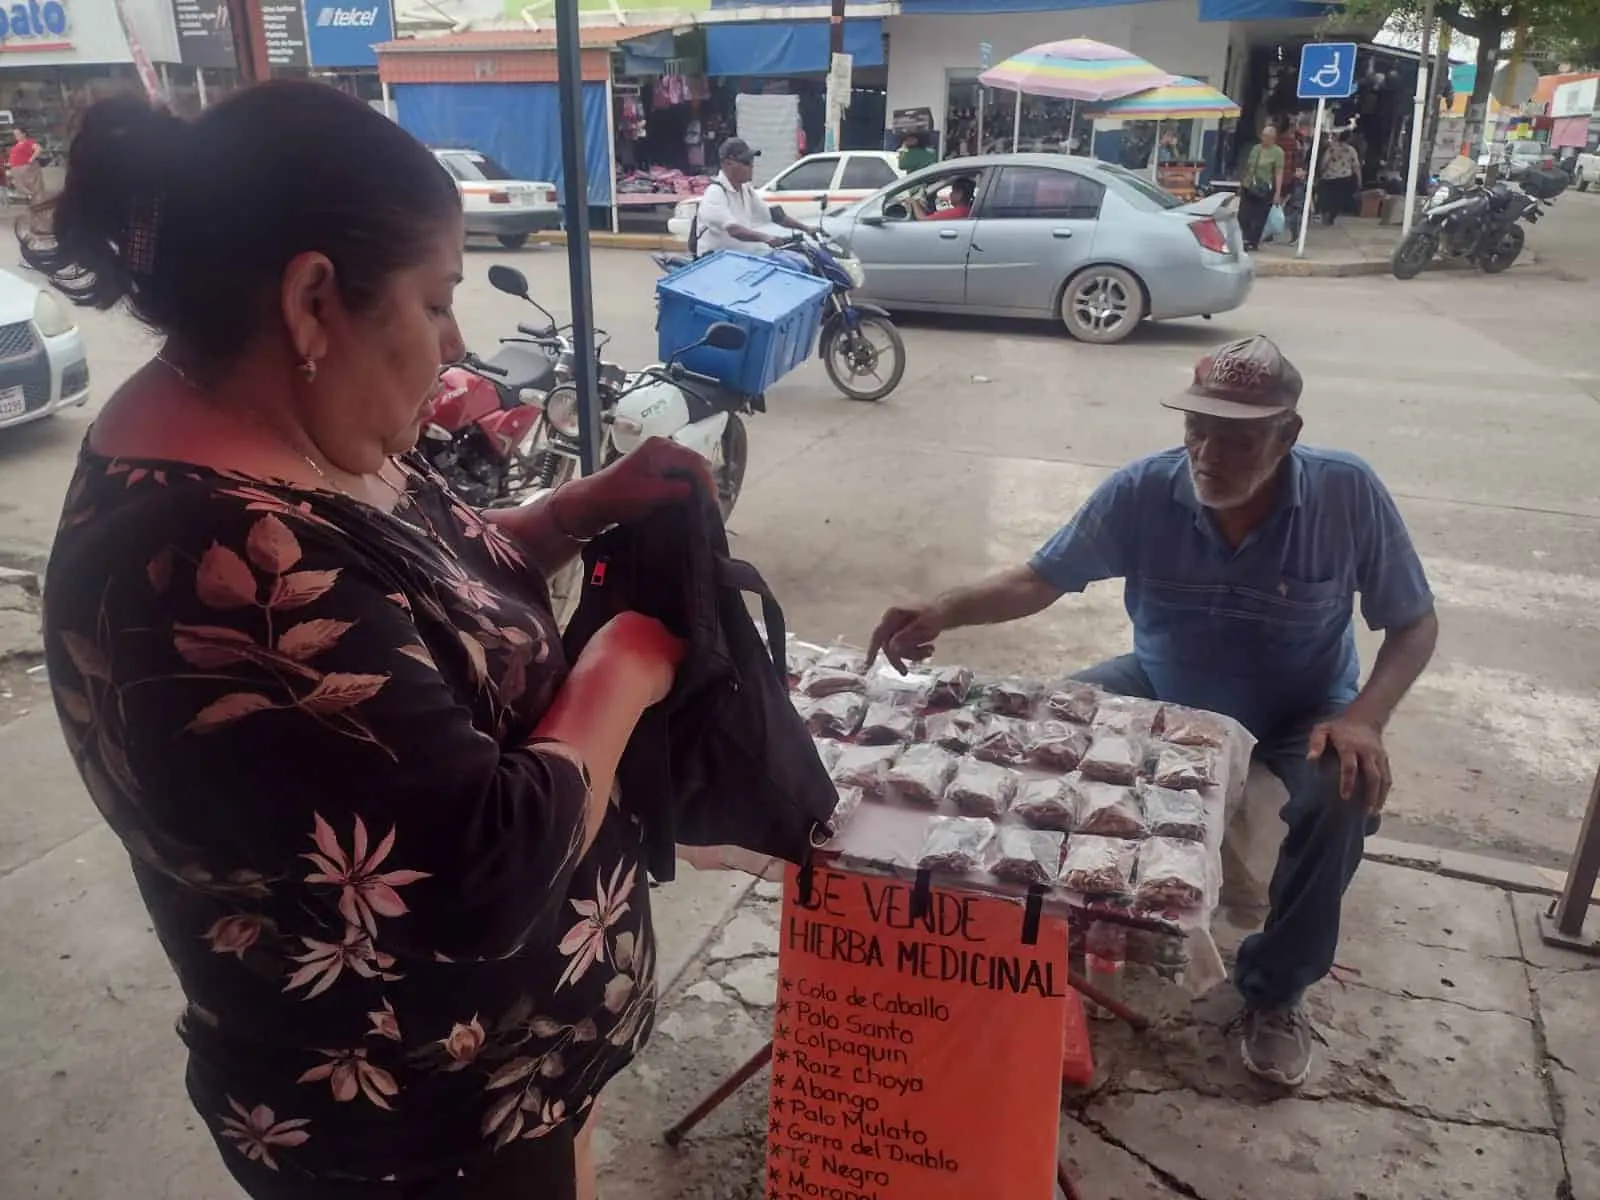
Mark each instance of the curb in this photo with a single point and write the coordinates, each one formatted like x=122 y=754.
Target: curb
x=1473 y=868
x=1310 y=268
x=1268 y=269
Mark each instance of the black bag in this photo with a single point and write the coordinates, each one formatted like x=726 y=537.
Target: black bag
x=1256 y=189
x=725 y=759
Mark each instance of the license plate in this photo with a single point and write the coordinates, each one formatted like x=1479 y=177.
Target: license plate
x=12 y=402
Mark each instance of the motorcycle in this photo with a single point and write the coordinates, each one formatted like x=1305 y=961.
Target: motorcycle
x=847 y=346
x=1478 y=222
x=662 y=400
x=490 y=424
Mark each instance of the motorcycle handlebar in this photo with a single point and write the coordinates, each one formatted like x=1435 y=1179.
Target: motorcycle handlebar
x=482 y=368
x=536 y=334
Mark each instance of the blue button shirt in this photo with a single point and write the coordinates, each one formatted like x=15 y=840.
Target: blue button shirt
x=1262 y=631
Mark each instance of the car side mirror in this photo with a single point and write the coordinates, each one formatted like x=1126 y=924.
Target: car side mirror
x=896 y=212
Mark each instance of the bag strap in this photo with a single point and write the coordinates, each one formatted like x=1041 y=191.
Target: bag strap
x=736 y=573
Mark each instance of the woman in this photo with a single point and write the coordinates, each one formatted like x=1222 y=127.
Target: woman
x=914 y=153
x=1260 y=185
x=1341 y=179
x=324 y=703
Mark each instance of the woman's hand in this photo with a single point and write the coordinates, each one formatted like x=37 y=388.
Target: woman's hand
x=658 y=473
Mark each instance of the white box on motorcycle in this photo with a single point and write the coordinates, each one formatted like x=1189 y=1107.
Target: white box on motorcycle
x=780 y=310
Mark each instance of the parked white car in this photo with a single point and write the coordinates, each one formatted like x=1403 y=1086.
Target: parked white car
x=496 y=205
x=1586 y=173
x=811 y=186
x=43 y=368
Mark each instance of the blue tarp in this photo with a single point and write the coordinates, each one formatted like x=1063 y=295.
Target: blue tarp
x=787 y=47
x=951 y=7
x=516 y=124
x=1264 y=10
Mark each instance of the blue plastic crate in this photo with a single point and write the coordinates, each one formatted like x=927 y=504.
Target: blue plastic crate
x=779 y=308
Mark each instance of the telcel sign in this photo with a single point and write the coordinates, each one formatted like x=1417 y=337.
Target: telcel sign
x=33 y=26
x=341 y=33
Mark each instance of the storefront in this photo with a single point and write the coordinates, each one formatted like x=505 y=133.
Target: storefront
x=495 y=92
x=62 y=55
x=938 y=48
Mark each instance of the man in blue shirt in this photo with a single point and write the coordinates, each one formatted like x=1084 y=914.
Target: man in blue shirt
x=1242 y=554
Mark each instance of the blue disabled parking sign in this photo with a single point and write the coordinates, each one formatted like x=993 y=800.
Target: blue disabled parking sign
x=1327 y=70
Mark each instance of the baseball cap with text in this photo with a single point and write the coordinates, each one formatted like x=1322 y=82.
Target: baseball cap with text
x=1245 y=380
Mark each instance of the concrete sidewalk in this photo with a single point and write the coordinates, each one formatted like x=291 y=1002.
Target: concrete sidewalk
x=1459 y=1059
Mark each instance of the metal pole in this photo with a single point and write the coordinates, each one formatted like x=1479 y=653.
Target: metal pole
x=575 y=198
x=1311 y=177
x=1419 y=109
x=1564 y=926
x=1016 y=126
x=388 y=98
x=611 y=150
x=977 y=147
x=200 y=87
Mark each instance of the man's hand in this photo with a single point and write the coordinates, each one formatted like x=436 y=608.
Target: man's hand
x=905 y=635
x=1359 y=746
x=777 y=241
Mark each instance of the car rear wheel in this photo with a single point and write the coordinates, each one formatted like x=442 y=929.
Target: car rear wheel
x=1102 y=304
x=513 y=241
x=1583 y=184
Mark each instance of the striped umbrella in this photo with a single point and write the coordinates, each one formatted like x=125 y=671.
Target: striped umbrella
x=1076 y=69
x=1181 y=98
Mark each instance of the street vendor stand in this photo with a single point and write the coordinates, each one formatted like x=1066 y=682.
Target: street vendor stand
x=925 y=1016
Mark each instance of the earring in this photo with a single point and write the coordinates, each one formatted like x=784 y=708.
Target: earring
x=308 y=368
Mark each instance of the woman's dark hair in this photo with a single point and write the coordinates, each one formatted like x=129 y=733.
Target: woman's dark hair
x=913 y=141
x=193 y=222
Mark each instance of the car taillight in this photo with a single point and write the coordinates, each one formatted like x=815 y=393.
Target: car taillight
x=499 y=197
x=549 y=195
x=1210 y=236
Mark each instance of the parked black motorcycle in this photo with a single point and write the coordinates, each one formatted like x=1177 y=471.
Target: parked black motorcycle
x=1478 y=223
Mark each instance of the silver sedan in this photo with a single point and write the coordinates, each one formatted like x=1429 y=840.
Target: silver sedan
x=1045 y=235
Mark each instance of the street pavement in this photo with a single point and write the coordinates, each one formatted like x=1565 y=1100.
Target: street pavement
x=1474 y=397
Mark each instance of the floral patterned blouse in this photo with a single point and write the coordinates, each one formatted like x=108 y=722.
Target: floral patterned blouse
x=306 y=719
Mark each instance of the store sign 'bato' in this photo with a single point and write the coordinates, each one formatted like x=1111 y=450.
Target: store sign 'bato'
x=34 y=26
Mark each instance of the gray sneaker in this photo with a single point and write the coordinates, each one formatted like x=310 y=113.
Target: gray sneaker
x=1277 y=1043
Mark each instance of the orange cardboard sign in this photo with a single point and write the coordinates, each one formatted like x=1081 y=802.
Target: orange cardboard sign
x=914 y=1056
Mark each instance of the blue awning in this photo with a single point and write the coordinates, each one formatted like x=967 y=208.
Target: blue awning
x=787 y=47
x=516 y=124
x=986 y=7
x=1265 y=10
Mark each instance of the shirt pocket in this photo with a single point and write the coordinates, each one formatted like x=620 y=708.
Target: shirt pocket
x=1286 y=612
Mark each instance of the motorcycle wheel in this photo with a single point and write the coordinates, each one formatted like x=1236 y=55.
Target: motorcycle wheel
x=1506 y=253
x=1414 y=253
x=730 y=471
x=849 y=354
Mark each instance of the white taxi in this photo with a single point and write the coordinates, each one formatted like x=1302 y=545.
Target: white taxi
x=496 y=205
x=43 y=368
x=811 y=186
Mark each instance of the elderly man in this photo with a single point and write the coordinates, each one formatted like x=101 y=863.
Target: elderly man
x=1242 y=552
x=732 y=215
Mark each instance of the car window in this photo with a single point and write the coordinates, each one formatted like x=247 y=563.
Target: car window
x=1042 y=193
x=813 y=175
x=475 y=167
x=1527 y=149
x=866 y=174
x=1149 y=195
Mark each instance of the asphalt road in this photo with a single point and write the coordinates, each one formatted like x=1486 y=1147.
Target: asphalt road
x=1475 y=397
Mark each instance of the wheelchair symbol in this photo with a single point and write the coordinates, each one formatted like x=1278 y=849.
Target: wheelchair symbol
x=1328 y=74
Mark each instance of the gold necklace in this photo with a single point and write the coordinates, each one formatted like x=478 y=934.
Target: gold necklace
x=188 y=381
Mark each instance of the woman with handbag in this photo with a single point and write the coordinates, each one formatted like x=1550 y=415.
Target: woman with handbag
x=1260 y=185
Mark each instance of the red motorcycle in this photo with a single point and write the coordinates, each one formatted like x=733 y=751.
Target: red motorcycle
x=489 y=429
